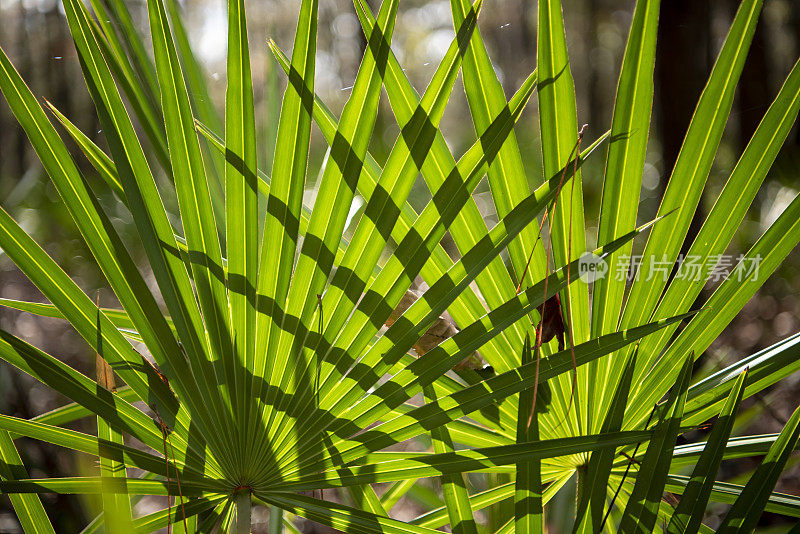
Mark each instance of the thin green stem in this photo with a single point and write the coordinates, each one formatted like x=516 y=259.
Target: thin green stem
x=275 y=520
x=580 y=486
x=243 y=512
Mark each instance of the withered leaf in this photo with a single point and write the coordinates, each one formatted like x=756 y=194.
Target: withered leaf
x=552 y=321
x=443 y=327
x=105 y=375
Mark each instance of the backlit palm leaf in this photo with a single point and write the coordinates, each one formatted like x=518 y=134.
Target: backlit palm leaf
x=288 y=360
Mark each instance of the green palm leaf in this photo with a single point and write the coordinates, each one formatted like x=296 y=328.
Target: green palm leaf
x=28 y=507
x=689 y=512
x=746 y=510
x=641 y=511
x=251 y=371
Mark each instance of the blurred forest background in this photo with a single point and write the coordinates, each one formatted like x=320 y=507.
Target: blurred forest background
x=35 y=36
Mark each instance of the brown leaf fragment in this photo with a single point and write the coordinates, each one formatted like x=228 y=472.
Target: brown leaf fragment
x=443 y=328
x=105 y=375
x=552 y=321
